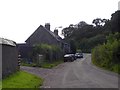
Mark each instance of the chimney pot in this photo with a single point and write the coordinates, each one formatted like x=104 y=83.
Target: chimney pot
x=56 y=31
x=47 y=26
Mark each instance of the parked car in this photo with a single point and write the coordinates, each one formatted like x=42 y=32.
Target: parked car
x=73 y=55
x=79 y=55
x=69 y=57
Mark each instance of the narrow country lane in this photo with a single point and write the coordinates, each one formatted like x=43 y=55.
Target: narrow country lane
x=78 y=74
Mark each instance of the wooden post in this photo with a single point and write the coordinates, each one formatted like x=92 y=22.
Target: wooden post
x=19 y=61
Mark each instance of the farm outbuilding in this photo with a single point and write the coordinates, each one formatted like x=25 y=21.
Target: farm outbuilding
x=9 y=56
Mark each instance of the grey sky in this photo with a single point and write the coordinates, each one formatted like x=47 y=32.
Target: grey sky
x=20 y=18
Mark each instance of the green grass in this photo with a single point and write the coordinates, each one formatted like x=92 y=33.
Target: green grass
x=22 y=79
x=0 y=84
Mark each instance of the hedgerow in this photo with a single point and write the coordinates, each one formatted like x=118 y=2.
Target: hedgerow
x=108 y=55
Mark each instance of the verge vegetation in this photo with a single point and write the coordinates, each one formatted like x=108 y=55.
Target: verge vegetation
x=44 y=64
x=107 y=55
x=21 y=79
x=45 y=56
x=50 y=52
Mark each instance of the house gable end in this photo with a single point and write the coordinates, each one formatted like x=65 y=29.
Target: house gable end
x=41 y=35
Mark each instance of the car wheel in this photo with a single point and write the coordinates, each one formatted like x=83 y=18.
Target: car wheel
x=64 y=60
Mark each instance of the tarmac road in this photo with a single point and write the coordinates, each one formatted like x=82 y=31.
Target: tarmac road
x=78 y=74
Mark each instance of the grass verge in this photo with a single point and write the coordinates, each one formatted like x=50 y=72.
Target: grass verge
x=0 y=84
x=21 y=79
x=30 y=65
x=114 y=68
x=44 y=64
x=50 y=65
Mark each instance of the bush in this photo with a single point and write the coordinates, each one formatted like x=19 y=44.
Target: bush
x=50 y=52
x=108 y=55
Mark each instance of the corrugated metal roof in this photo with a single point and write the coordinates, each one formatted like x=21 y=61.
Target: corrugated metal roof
x=7 y=42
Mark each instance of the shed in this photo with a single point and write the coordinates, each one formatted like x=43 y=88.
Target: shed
x=9 y=56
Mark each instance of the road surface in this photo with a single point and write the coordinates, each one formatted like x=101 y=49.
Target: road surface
x=78 y=74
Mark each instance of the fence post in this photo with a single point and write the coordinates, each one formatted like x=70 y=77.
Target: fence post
x=19 y=58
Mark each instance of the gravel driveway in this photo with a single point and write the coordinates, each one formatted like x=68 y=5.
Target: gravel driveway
x=78 y=74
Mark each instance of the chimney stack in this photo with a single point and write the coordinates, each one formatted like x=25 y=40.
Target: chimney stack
x=47 y=26
x=56 y=31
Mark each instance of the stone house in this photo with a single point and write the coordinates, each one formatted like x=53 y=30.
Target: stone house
x=43 y=35
x=9 y=57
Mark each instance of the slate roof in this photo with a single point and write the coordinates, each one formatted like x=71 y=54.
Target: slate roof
x=7 y=42
x=57 y=37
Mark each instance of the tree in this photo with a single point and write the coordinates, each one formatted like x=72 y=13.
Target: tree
x=104 y=21
x=99 y=22
x=82 y=24
x=72 y=46
x=67 y=32
x=86 y=36
x=115 y=21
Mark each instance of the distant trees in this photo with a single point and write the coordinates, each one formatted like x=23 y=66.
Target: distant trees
x=87 y=36
x=81 y=33
x=72 y=46
x=81 y=24
x=97 y=22
x=67 y=32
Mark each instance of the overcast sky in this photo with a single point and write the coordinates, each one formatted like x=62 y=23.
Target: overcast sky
x=20 y=18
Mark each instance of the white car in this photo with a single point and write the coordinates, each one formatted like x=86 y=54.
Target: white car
x=69 y=57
